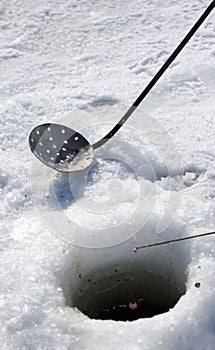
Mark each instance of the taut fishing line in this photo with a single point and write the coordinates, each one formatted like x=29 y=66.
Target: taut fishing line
x=175 y=240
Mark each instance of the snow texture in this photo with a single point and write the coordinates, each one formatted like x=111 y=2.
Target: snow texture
x=82 y=63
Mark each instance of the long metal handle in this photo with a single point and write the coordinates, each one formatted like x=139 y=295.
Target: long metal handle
x=156 y=77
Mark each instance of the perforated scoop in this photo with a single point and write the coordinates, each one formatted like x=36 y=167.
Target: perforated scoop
x=65 y=150
x=61 y=148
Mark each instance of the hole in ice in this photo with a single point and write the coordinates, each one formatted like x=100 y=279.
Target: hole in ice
x=118 y=284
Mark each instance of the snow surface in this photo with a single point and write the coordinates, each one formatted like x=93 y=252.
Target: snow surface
x=82 y=63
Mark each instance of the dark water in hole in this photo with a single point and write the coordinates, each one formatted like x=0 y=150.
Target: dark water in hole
x=125 y=313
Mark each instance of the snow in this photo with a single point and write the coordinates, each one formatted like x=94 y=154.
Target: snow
x=82 y=63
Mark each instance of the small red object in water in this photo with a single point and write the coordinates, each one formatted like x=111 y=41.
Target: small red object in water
x=133 y=305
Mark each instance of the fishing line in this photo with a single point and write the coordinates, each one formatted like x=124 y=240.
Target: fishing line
x=173 y=241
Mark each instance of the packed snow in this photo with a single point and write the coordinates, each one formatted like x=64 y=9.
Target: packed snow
x=82 y=64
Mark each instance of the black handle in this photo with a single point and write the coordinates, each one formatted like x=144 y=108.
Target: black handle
x=156 y=77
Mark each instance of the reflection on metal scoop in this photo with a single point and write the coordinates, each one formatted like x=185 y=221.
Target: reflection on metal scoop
x=65 y=150
x=61 y=148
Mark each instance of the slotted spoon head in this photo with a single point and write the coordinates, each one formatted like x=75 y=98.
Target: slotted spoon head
x=61 y=148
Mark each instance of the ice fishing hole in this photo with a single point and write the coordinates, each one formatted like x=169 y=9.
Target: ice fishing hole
x=126 y=288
